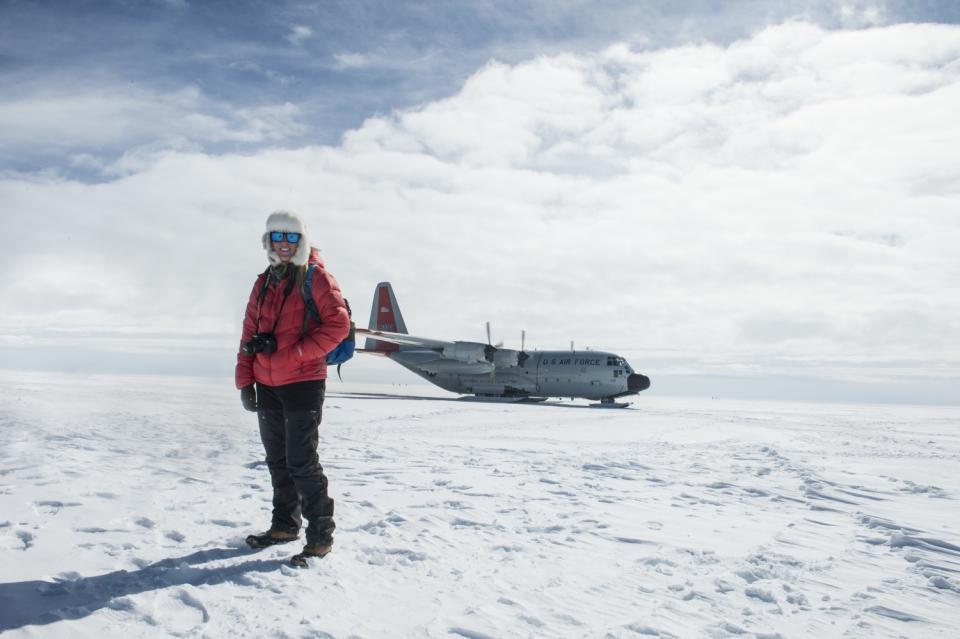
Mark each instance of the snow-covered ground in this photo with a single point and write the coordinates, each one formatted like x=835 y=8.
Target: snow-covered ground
x=124 y=503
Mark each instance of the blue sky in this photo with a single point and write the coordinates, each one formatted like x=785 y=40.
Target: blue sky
x=726 y=193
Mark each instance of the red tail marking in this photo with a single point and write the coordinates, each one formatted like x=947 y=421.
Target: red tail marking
x=385 y=319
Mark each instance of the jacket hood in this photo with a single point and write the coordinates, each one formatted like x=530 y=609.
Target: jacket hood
x=315 y=257
x=287 y=222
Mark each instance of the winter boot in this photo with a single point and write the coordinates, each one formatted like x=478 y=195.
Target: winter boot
x=317 y=551
x=270 y=538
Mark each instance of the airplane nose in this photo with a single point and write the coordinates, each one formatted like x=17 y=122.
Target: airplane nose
x=638 y=382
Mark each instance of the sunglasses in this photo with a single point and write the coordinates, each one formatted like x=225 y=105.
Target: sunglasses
x=280 y=236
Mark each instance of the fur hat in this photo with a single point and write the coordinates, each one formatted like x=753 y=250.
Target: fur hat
x=289 y=223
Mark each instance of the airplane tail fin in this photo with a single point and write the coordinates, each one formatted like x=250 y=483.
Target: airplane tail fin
x=385 y=316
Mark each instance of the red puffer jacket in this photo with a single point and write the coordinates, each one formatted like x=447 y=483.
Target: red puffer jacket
x=296 y=359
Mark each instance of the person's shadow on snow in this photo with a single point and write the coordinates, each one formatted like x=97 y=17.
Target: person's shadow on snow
x=43 y=602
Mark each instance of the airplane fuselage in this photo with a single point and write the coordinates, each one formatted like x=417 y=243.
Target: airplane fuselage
x=589 y=374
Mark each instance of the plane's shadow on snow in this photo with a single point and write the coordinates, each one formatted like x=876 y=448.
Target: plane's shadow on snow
x=44 y=602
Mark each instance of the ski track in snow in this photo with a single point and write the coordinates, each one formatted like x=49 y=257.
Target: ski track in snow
x=124 y=503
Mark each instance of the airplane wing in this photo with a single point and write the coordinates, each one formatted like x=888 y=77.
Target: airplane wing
x=405 y=340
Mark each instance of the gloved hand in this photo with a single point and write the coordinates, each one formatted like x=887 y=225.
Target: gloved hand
x=248 y=396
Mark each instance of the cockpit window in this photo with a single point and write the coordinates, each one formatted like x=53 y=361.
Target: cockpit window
x=614 y=360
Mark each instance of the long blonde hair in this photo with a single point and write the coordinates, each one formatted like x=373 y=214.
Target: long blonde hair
x=282 y=270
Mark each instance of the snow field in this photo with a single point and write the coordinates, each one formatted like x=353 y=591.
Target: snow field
x=124 y=503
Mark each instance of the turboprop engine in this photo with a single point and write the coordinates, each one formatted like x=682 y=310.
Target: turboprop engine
x=467 y=352
x=506 y=358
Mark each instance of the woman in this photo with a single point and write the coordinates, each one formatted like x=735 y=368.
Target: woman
x=281 y=373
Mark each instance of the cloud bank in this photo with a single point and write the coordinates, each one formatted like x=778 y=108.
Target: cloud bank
x=783 y=204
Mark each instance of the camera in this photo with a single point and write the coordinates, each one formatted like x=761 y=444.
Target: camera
x=260 y=343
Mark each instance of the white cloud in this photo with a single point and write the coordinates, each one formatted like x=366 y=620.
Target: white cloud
x=299 y=34
x=139 y=120
x=783 y=203
x=392 y=60
x=862 y=14
x=349 y=60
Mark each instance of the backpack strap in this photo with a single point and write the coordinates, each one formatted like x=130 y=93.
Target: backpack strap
x=345 y=348
x=309 y=305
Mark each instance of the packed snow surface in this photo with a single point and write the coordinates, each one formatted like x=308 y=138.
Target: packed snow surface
x=124 y=503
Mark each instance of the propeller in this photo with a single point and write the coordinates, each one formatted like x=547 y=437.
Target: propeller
x=523 y=356
x=488 y=352
x=490 y=348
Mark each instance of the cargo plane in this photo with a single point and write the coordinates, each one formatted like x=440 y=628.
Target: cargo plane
x=493 y=372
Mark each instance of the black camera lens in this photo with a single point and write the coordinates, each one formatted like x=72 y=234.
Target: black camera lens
x=260 y=343
x=269 y=343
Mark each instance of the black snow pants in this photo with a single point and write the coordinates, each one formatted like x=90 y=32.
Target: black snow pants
x=289 y=417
